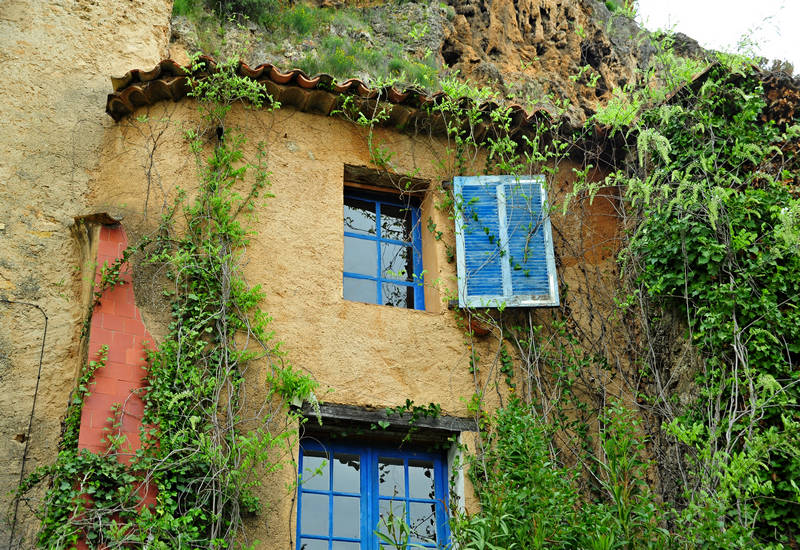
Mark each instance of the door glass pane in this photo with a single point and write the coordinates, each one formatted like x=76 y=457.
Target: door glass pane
x=392 y=513
x=359 y=216
x=313 y=544
x=397 y=262
x=420 y=479
x=346 y=517
x=315 y=471
x=314 y=517
x=395 y=222
x=397 y=295
x=344 y=545
x=422 y=521
x=391 y=477
x=360 y=256
x=360 y=290
x=346 y=474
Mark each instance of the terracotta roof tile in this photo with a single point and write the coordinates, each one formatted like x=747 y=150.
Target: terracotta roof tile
x=168 y=80
x=322 y=94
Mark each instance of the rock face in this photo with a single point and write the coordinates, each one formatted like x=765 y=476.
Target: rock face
x=537 y=53
x=546 y=50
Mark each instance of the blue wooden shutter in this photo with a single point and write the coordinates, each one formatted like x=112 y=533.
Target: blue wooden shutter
x=504 y=242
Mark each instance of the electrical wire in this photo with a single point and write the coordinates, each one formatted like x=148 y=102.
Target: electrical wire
x=33 y=409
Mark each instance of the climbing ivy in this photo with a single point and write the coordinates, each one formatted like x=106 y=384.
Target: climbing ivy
x=713 y=200
x=709 y=244
x=710 y=215
x=204 y=453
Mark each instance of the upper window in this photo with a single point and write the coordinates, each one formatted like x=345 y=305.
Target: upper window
x=348 y=494
x=382 y=250
x=504 y=242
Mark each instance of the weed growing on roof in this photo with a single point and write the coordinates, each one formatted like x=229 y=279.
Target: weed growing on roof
x=338 y=39
x=344 y=58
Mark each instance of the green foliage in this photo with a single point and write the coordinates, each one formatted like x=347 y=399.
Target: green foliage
x=185 y=7
x=666 y=73
x=302 y=19
x=712 y=242
x=623 y=7
x=621 y=110
x=217 y=91
x=529 y=500
x=338 y=54
x=344 y=58
x=259 y=11
x=713 y=230
x=79 y=479
x=526 y=497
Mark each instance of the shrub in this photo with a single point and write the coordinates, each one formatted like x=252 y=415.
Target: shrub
x=527 y=499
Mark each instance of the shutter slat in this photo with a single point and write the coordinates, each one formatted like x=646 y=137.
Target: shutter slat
x=519 y=244
x=526 y=245
x=481 y=234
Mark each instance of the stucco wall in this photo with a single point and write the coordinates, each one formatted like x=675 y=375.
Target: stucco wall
x=57 y=57
x=361 y=354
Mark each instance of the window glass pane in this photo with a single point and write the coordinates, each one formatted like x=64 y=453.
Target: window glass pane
x=343 y=545
x=360 y=256
x=359 y=216
x=397 y=261
x=391 y=512
x=397 y=295
x=420 y=479
x=391 y=477
x=315 y=471
x=422 y=521
x=314 y=517
x=346 y=476
x=346 y=517
x=360 y=290
x=395 y=222
x=311 y=544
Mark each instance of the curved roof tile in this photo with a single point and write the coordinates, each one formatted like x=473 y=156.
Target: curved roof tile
x=169 y=80
x=322 y=94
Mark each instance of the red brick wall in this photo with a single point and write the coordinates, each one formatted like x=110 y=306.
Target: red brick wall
x=116 y=323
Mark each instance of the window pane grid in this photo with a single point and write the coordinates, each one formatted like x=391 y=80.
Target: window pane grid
x=372 y=238
x=385 y=277
x=429 y=514
x=405 y=500
x=330 y=538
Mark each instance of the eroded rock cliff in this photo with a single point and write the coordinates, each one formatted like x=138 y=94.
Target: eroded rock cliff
x=537 y=53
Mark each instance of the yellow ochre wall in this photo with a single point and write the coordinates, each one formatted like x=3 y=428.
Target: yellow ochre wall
x=361 y=354
x=56 y=57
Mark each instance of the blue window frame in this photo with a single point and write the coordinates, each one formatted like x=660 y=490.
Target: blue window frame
x=382 y=250
x=346 y=493
x=504 y=242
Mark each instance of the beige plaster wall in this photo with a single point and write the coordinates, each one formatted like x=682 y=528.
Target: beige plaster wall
x=361 y=354
x=57 y=57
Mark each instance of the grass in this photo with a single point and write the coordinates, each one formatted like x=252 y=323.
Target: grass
x=344 y=58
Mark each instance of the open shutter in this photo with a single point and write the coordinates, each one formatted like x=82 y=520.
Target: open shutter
x=504 y=243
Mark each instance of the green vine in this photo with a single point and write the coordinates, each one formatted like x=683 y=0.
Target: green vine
x=711 y=244
x=711 y=215
x=202 y=454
